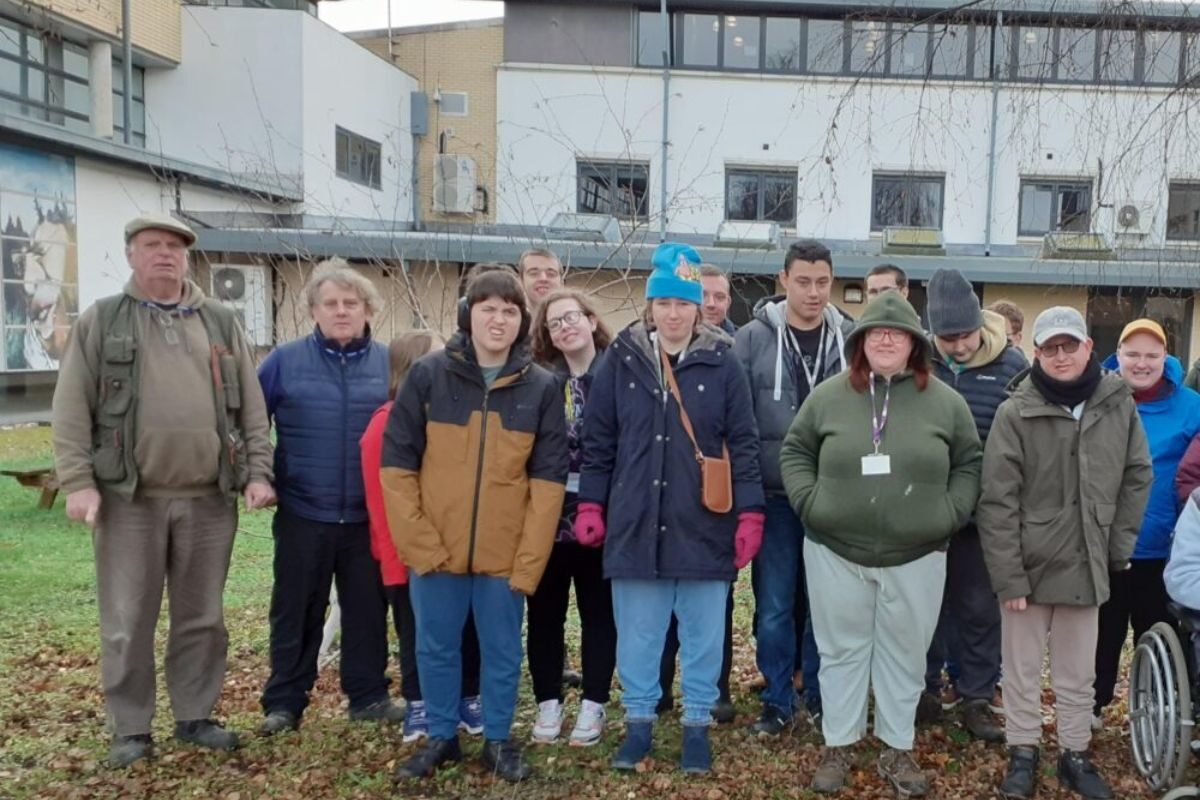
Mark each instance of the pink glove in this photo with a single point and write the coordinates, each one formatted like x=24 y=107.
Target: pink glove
x=748 y=538
x=589 y=524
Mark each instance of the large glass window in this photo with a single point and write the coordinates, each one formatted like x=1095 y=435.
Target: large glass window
x=783 y=41
x=1048 y=206
x=1118 y=52
x=824 y=51
x=951 y=51
x=910 y=49
x=619 y=188
x=868 y=48
x=1162 y=55
x=1076 y=55
x=907 y=201
x=699 y=40
x=1183 y=211
x=760 y=195
x=650 y=38
x=741 y=42
x=1033 y=53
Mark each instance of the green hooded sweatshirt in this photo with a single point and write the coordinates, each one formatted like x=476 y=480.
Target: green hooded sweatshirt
x=930 y=439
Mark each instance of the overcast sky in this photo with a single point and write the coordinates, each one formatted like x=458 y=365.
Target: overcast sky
x=358 y=15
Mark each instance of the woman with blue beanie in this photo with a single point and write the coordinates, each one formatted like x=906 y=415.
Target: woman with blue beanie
x=669 y=395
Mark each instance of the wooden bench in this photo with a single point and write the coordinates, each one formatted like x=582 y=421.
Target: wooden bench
x=43 y=479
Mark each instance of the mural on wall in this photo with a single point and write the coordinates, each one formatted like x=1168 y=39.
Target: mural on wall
x=38 y=256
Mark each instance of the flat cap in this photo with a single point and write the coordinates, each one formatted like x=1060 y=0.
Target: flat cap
x=162 y=222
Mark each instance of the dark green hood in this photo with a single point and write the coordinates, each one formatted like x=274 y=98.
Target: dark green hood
x=890 y=310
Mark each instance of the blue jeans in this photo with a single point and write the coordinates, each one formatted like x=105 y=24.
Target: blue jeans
x=778 y=580
x=643 y=611
x=440 y=605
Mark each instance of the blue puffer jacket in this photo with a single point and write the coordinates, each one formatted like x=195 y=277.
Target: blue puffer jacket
x=1170 y=422
x=983 y=381
x=321 y=397
x=639 y=463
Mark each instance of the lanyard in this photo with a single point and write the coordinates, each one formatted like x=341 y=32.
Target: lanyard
x=879 y=420
x=815 y=374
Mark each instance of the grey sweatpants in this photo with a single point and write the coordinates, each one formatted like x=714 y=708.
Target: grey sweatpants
x=139 y=545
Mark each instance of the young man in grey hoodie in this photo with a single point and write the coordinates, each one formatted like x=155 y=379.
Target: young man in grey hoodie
x=795 y=341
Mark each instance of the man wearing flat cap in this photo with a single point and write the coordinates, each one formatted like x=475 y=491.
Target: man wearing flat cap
x=159 y=424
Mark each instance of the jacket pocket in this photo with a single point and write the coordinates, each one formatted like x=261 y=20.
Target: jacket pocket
x=1105 y=513
x=108 y=456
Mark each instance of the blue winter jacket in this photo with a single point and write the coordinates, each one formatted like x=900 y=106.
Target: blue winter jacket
x=1171 y=422
x=640 y=465
x=321 y=397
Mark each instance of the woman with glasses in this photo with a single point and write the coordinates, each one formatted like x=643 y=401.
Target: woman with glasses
x=568 y=335
x=882 y=464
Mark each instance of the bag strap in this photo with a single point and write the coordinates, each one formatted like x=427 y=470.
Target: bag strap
x=683 y=415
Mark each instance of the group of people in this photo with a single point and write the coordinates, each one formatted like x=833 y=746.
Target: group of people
x=924 y=511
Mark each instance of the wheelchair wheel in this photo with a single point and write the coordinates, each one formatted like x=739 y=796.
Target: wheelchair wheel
x=1182 y=793
x=1160 y=709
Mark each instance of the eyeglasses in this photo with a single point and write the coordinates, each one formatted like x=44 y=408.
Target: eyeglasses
x=570 y=318
x=1051 y=350
x=879 y=334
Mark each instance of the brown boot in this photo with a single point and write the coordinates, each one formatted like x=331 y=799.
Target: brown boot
x=830 y=776
x=901 y=770
x=980 y=723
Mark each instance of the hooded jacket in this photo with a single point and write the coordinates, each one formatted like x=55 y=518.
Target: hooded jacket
x=764 y=347
x=983 y=381
x=1062 y=498
x=1182 y=574
x=930 y=439
x=640 y=464
x=1171 y=422
x=473 y=477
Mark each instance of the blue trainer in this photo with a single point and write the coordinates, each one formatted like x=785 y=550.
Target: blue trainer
x=416 y=724
x=470 y=715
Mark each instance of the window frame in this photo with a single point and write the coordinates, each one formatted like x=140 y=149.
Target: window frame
x=1058 y=185
x=762 y=174
x=910 y=178
x=369 y=152
x=466 y=104
x=612 y=174
x=1179 y=186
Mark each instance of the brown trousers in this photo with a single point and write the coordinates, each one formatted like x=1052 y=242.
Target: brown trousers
x=139 y=545
x=1072 y=631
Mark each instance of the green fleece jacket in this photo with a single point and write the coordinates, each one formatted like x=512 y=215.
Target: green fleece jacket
x=882 y=520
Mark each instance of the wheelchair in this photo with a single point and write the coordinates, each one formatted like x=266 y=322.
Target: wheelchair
x=1160 y=706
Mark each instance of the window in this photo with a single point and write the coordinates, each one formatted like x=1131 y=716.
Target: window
x=761 y=195
x=1162 y=56
x=1032 y=53
x=910 y=49
x=139 y=104
x=650 y=38
x=1076 y=55
x=741 y=42
x=1111 y=307
x=782 y=49
x=453 y=104
x=952 y=52
x=1048 y=206
x=907 y=201
x=868 y=53
x=1183 y=211
x=1118 y=50
x=619 y=188
x=699 y=40
x=824 y=55
x=357 y=158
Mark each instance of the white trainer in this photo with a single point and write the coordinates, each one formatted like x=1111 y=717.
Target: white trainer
x=589 y=726
x=549 y=721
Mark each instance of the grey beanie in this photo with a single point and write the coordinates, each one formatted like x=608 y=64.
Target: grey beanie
x=951 y=304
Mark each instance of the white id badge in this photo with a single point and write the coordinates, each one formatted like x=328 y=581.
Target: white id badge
x=877 y=464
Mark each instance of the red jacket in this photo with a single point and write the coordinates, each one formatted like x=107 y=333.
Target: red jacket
x=382 y=546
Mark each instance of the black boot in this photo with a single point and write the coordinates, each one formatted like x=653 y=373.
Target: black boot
x=424 y=762
x=1020 y=782
x=502 y=757
x=1078 y=774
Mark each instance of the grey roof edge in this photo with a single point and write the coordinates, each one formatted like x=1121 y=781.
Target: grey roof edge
x=635 y=257
x=434 y=27
x=78 y=144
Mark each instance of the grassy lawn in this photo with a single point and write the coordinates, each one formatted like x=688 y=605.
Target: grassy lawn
x=52 y=739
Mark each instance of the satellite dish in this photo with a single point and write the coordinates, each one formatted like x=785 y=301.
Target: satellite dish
x=1128 y=216
x=229 y=284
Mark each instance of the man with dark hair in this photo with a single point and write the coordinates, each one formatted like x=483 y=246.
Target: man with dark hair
x=541 y=273
x=886 y=278
x=795 y=341
x=475 y=528
x=717 y=298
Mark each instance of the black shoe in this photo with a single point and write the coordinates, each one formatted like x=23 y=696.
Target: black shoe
x=278 y=722
x=124 y=750
x=571 y=678
x=1078 y=774
x=724 y=711
x=381 y=711
x=503 y=757
x=423 y=763
x=206 y=733
x=666 y=704
x=697 y=753
x=980 y=723
x=772 y=722
x=929 y=709
x=1020 y=781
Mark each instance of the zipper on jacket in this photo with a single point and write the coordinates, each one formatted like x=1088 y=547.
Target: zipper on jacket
x=345 y=419
x=478 y=479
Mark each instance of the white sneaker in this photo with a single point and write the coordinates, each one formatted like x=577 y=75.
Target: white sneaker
x=589 y=726
x=1097 y=722
x=549 y=721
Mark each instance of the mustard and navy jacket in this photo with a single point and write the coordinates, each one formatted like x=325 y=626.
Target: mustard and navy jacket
x=473 y=478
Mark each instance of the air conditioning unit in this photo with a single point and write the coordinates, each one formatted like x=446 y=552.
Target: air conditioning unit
x=914 y=241
x=743 y=233
x=584 y=228
x=454 y=184
x=246 y=288
x=1062 y=244
x=1134 y=219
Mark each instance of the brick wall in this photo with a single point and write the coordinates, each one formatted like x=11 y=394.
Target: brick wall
x=155 y=23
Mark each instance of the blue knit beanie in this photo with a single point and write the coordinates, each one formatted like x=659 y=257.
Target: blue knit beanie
x=675 y=274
